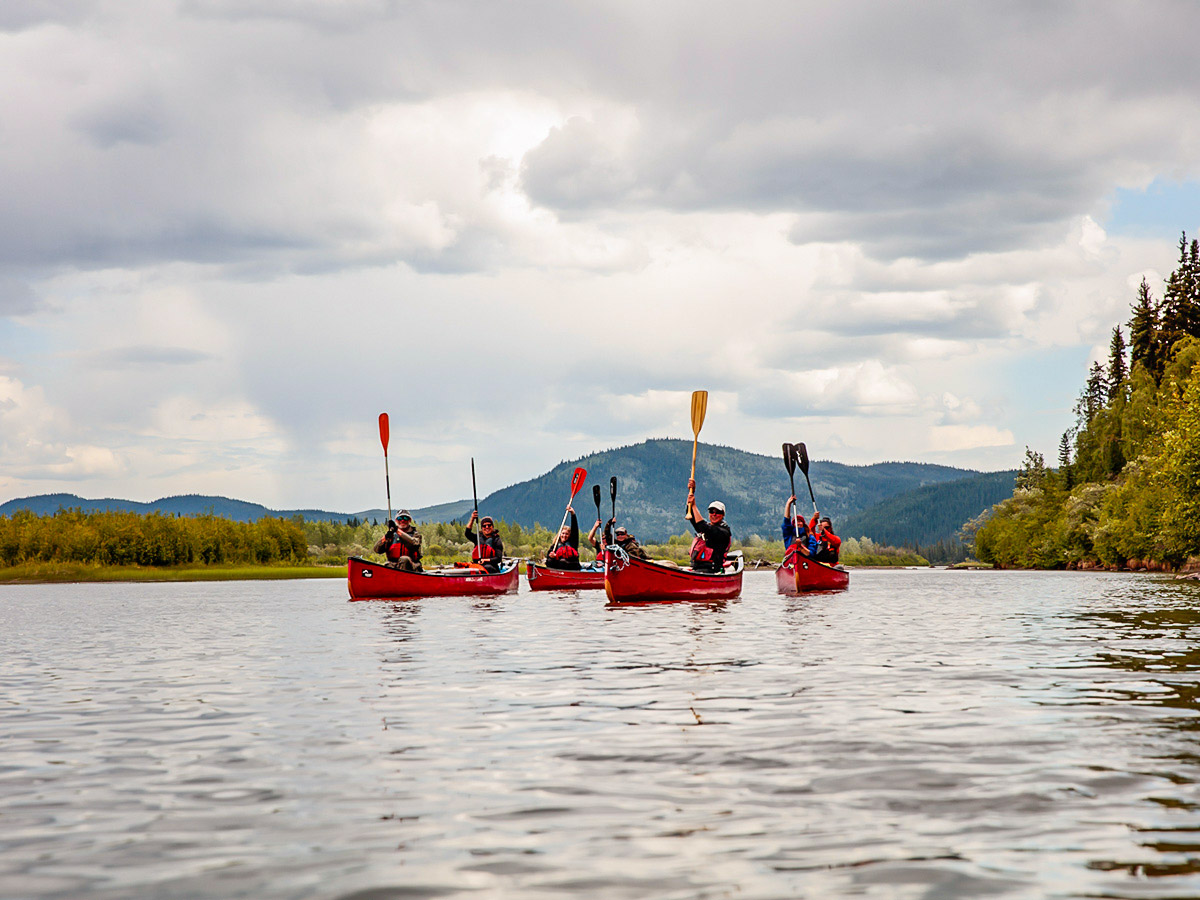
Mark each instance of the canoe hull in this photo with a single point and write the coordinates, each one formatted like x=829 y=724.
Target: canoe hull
x=637 y=581
x=809 y=575
x=543 y=578
x=371 y=581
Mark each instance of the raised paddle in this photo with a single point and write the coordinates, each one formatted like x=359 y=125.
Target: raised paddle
x=802 y=461
x=789 y=461
x=596 y=497
x=384 y=434
x=475 y=497
x=577 y=480
x=612 y=493
x=699 y=408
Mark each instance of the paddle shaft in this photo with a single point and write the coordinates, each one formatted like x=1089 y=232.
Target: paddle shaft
x=384 y=434
x=803 y=453
x=699 y=407
x=475 y=497
x=576 y=484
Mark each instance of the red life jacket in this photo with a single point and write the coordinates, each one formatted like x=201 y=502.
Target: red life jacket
x=483 y=551
x=564 y=553
x=397 y=549
x=701 y=552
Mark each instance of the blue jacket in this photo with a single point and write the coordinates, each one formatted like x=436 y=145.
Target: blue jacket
x=789 y=534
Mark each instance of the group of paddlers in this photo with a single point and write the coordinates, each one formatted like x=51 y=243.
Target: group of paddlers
x=814 y=539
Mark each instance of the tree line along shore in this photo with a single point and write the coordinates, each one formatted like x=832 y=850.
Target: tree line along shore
x=77 y=545
x=1126 y=492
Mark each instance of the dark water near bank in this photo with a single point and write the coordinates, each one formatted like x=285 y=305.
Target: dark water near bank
x=926 y=734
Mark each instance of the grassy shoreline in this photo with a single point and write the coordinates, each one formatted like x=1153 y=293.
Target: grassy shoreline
x=66 y=573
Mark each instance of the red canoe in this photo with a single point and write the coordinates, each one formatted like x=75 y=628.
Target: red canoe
x=809 y=575
x=543 y=578
x=371 y=581
x=632 y=580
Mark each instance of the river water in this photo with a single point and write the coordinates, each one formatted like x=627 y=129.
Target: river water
x=927 y=734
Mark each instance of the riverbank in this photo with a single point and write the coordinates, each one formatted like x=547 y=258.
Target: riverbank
x=65 y=573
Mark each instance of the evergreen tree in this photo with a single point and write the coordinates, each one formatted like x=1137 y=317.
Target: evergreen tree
x=1144 y=333
x=1064 y=459
x=1093 y=398
x=1181 y=301
x=1116 y=364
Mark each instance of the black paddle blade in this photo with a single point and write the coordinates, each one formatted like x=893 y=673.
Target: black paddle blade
x=801 y=457
x=612 y=488
x=596 y=495
x=789 y=458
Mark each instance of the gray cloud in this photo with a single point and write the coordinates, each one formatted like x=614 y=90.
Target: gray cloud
x=926 y=132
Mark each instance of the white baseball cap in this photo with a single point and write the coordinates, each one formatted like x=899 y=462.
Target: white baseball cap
x=718 y=506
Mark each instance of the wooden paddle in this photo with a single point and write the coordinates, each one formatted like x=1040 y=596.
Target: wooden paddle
x=384 y=434
x=802 y=461
x=577 y=480
x=699 y=408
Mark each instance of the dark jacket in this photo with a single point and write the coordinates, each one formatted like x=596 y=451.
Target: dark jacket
x=630 y=545
x=717 y=538
x=489 y=552
x=396 y=544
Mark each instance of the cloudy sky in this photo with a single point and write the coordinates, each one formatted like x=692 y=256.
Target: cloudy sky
x=234 y=231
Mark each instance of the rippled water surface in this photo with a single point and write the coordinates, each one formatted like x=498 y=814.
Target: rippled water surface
x=925 y=734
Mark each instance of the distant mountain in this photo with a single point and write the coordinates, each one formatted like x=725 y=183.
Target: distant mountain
x=929 y=514
x=183 y=505
x=651 y=491
x=652 y=488
x=203 y=504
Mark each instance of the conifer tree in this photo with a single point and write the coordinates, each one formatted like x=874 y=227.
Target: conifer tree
x=1143 y=333
x=1116 y=364
x=1064 y=459
x=1181 y=301
x=1094 y=396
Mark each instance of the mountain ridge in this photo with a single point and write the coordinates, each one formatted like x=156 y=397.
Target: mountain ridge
x=651 y=491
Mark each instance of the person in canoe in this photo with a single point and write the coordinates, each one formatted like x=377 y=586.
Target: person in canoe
x=489 y=548
x=829 y=545
x=797 y=537
x=564 y=552
x=623 y=539
x=712 y=537
x=401 y=544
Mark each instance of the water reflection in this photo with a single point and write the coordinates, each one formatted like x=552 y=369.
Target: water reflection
x=1151 y=648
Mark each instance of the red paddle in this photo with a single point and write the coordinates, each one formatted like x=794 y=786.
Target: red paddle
x=384 y=434
x=577 y=480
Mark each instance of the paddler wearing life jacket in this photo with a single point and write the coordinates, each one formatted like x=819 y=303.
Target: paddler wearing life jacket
x=564 y=552
x=401 y=544
x=623 y=539
x=712 y=537
x=797 y=537
x=488 y=551
x=828 y=544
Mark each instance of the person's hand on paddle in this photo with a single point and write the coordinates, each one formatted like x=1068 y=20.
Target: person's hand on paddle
x=474 y=519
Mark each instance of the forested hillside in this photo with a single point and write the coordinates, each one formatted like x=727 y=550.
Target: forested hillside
x=930 y=518
x=652 y=488
x=224 y=507
x=1127 y=487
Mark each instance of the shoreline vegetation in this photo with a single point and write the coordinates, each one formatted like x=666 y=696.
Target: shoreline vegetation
x=74 y=546
x=1126 y=493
